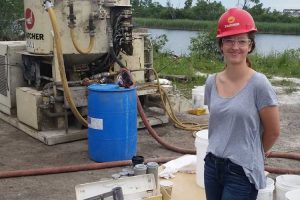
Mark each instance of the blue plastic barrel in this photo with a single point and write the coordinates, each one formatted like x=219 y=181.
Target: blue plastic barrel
x=112 y=122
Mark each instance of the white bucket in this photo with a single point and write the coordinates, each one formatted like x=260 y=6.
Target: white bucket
x=198 y=97
x=285 y=183
x=201 y=144
x=292 y=195
x=266 y=193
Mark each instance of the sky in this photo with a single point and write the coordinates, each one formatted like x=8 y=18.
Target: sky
x=273 y=4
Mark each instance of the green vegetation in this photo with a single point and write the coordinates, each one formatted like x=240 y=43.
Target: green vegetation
x=288 y=86
x=278 y=27
x=180 y=24
x=289 y=90
x=204 y=15
x=284 y=64
x=284 y=82
x=205 y=57
x=280 y=64
x=166 y=64
x=198 y=25
x=206 y=60
x=206 y=11
x=10 y=10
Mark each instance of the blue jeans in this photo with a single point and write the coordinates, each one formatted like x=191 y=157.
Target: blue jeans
x=225 y=180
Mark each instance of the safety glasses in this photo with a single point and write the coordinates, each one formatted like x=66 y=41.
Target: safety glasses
x=241 y=42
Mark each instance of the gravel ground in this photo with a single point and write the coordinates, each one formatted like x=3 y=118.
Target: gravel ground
x=20 y=151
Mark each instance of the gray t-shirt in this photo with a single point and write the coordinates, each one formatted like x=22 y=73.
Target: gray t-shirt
x=235 y=129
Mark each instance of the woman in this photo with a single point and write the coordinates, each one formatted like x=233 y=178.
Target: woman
x=244 y=116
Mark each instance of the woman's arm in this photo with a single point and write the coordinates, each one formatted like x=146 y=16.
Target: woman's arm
x=270 y=121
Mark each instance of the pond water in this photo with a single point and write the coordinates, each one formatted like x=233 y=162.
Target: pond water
x=179 y=41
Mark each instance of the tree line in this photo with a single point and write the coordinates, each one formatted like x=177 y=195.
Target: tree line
x=206 y=10
x=12 y=10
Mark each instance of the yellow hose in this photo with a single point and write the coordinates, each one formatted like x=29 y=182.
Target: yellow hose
x=60 y=59
x=90 y=47
x=168 y=108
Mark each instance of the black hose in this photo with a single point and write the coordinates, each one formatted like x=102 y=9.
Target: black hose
x=114 y=56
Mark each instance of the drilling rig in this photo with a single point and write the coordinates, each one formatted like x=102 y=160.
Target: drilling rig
x=69 y=45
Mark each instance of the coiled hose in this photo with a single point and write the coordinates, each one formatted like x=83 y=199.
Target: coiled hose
x=190 y=126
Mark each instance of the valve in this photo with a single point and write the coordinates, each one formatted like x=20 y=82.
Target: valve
x=47 y=4
x=71 y=16
x=91 y=27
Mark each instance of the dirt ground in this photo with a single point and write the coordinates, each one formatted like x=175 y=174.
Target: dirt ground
x=20 y=151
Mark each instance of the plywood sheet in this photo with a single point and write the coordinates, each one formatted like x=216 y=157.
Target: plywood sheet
x=185 y=187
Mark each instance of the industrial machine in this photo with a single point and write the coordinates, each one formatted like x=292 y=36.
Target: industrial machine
x=69 y=45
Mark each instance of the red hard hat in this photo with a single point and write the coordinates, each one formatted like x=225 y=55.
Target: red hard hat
x=235 y=21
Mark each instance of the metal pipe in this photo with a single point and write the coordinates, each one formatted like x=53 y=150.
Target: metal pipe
x=46 y=78
x=71 y=15
x=54 y=114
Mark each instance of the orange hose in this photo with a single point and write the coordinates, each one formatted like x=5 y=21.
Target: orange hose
x=293 y=156
x=279 y=170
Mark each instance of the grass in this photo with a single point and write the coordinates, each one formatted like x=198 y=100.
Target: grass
x=290 y=90
x=286 y=64
x=165 y=64
x=186 y=65
x=185 y=88
x=181 y=24
x=198 y=25
x=285 y=83
x=288 y=86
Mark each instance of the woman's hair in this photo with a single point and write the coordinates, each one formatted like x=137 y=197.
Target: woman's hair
x=251 y=36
